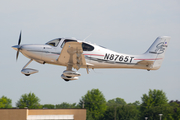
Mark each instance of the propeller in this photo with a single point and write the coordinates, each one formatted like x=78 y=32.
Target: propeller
x=19 y=42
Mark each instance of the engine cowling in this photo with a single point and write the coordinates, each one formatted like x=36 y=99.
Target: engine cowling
x=28 y=71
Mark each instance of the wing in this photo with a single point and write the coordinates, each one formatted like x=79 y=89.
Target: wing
x=71 y=55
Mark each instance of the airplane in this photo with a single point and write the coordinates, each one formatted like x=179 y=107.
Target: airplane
x=74 y=53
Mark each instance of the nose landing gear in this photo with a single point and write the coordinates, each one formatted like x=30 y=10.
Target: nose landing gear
x=28 y=71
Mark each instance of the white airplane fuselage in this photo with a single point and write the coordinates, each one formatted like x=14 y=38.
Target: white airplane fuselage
x=99 y=57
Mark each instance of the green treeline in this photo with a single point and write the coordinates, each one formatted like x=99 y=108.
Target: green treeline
x=152 y=104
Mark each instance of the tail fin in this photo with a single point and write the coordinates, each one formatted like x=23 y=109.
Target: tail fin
x=157 y=51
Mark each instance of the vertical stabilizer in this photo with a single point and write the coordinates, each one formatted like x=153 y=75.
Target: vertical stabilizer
x=157 y=50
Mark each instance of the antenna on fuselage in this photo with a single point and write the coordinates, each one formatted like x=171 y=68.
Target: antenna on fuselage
x=87 y=37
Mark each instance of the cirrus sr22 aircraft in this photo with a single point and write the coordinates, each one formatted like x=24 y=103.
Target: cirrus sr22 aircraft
x=73 y=53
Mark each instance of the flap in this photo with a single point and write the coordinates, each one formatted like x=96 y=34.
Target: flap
x=71 y=54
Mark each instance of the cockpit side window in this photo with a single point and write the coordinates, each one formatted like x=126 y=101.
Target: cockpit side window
x=54 y=42
x=87 y=47
x=67 y=40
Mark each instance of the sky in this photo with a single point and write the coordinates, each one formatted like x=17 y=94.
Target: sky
x=125 y=26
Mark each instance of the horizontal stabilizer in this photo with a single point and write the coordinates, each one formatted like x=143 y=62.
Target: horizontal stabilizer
x=145 y=63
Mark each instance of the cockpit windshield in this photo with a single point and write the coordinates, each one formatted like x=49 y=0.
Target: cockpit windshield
x=54 y=42
x=67 y=40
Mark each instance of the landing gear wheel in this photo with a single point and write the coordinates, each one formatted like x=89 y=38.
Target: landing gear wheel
x=27 y=74
x=66 y=80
